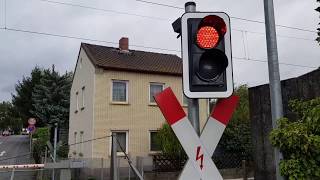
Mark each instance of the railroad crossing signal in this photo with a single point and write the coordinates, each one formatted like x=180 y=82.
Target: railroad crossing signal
x=199 y=149
x=206 y=54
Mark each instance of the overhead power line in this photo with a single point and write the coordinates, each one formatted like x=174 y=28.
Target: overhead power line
x=233 y=17
x=84 y=39
x=278 y=35
x=265 y=61
x=105 y=10
x=116 y=43
x=159 y=18
x=89 y=140
x=160 y=4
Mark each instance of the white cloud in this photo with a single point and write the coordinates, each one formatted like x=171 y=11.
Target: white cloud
x=20 y=52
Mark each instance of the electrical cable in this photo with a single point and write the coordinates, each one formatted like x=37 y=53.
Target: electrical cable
x=105 y=10
x=265 y=61
x=233 y=17
x=141 y=46
x=89 y=140
x=85 y=39
x=13 y=157
x=159 y=18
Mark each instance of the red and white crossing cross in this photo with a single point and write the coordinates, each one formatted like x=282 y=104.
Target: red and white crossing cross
x=213 y=130
x=200 y=164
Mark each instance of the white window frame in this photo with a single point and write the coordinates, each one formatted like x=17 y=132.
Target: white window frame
x=127 y=90
x=75 y=140
x=154 y=83
x=77 y=102
x=83 y=97
x=127 y=141
x=81 y=141
x=151 y=131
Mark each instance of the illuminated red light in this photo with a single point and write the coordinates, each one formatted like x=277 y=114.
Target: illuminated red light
x=207 y=37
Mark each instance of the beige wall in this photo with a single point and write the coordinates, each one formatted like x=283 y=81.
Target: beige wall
x=137 y=117
x=82 y=120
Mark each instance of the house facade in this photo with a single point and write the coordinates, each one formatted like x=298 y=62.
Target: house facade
x=112 y=91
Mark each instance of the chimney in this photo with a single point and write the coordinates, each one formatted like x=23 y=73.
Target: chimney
x=124 y=44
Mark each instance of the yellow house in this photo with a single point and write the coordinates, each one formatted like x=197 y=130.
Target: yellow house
x=112 y=91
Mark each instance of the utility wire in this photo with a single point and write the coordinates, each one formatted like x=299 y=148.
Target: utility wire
x=89 y=140
x=105 y=10
x=233 y=17
x=156 y=18
x=13 y=157
x=159 y=4
x=278 y=35
x=82 y=38
x=141 y=46
x=265 y=61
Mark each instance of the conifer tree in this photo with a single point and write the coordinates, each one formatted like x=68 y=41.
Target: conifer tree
x=51 y=99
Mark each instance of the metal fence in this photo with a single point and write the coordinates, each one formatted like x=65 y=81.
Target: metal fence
x=164 y=163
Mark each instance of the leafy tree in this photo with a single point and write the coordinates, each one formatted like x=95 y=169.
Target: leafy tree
x=236 y=138
x=318 y=38
x=299 y=141
x=4 y=115
x=8 y=118
x=22 y=99
x=168 y=141
x=42 y=136
x=51 y=98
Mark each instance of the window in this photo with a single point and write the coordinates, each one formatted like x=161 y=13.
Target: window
x=77 y=102
x=75 y=140
x=184 y=100
x=81 y=141
x=155 y=88
x=122 y=137
x=153 y=142
x=119 y=91
x=83 y=97
x=75 y=137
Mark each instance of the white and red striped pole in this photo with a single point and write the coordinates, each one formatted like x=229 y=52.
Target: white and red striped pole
x=213 y=130
x=22 y=166
x=199 y=158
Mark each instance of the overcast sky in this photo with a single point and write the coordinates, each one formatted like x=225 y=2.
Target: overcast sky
x=21 y=51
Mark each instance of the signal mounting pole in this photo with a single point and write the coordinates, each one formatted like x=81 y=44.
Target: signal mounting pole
x=274 y=75
x=193 y=104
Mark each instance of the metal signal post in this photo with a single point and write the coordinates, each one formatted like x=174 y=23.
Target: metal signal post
x=193 y=104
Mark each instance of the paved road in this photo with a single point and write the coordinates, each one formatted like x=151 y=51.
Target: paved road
x=11 y=146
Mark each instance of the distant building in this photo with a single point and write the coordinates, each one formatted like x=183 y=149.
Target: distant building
x=112 y=91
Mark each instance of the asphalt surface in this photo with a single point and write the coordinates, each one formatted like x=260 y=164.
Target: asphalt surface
x=10 y=147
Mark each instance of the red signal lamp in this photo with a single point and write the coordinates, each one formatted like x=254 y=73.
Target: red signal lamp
x=210 y=32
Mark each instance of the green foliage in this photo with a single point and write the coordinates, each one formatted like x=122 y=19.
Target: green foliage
x=168 y=141
x=236 y=138
x=22 y=99
x=41 y=137
x=299 y=141
x=51 y=98
x=63 y=151
x=9 y=119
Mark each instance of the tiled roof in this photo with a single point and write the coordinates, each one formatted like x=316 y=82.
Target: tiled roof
x=138 y=61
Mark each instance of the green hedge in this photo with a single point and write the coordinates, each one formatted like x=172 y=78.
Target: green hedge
x=41 y=137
